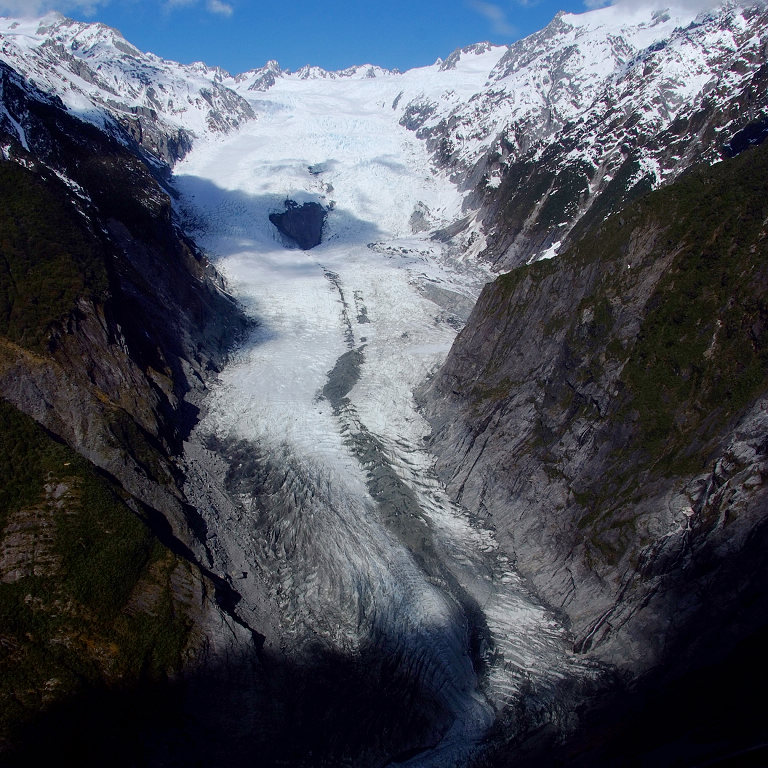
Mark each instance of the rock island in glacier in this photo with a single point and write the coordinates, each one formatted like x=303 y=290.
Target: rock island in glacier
x=371 y=553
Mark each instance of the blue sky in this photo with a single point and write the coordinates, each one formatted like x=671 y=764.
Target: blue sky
x=242 y=34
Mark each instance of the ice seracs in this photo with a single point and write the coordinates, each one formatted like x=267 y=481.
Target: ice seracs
x=362 y=547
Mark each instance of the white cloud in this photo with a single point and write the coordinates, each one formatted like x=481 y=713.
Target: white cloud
x=222 y=9
x=219 y=7
x=32 y=8
x=496 y=15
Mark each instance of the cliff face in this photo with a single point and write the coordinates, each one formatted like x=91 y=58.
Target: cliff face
x=694 y=96
x=110 y=315
x=109 y=318
x=606 y=412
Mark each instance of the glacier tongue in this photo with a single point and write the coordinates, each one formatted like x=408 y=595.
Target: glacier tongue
x=309 y=470
x=337 y=507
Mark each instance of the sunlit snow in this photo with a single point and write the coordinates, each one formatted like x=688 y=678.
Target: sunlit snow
x=380 y=288
x=365 y=288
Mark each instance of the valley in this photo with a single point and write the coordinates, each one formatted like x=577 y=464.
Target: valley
x=358 y=542
x=402 y=418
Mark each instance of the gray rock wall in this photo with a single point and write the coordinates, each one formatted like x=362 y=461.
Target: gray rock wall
x=595 y=413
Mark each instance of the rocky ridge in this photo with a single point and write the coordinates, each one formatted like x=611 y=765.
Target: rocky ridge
x=589 y=113
x=101 y=78
x=679 y=102
x=605 y=412
x=111 y=318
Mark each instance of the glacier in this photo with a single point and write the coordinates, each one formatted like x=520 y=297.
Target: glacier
x=370 y=549
x=310 y=466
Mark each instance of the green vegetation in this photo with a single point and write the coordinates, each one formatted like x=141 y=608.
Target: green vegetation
x=660 y=315
x=627 y=185
x=701 y=356
x=123 y=189
x=48 y=256
x=89 y=599
x=702 y=353
x=501 y=391
x=27 y=454
x=525 y=184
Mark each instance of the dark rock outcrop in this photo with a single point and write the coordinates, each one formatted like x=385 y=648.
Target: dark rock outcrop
x=301 y=223
x=110 y=319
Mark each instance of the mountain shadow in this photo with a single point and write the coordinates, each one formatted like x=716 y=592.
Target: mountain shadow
x=333 y=711
x=243 y=221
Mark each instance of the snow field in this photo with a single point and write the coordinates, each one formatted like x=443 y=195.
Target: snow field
x=339 y=572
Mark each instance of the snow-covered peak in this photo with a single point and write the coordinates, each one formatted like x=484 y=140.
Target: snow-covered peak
x=461 y=55
x=358 y=72
x=87 y=40
x=97 y=73
x=265 y=77
x=261 y=79
x=587 y=47
x=480 y=97
x=558 y=75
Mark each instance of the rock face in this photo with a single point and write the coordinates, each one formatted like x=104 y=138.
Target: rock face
x=660 y=96
x=606 y=412
x=110 y=319
x=301 y=223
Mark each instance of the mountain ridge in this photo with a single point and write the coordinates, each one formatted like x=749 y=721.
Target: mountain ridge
x=598 y=424
x=593 y=413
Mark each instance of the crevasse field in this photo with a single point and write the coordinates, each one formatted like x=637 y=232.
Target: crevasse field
x=363 y=545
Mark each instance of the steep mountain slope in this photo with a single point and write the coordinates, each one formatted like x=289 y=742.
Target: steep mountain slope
x=102 y=78
x=108 y=318
x=591 y=112
x=577 y=119
x=685 y=99
x=115 y=263
x=284 y=521
x=605 y=411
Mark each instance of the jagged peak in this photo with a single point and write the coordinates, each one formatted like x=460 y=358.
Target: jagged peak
x=51 y=19
x=261 y=79
x=614 y=27
x=476 y=49
x=81 y=38
x=97 y=73
x=358 y=72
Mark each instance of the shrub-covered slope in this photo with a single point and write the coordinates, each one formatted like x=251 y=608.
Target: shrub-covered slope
x=88 y=595
x=109 y=317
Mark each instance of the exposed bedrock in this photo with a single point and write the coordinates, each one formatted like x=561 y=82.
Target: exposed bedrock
x=606 y=411
x=301 y=223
